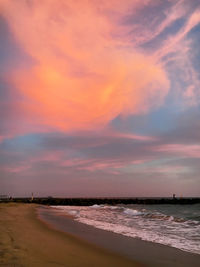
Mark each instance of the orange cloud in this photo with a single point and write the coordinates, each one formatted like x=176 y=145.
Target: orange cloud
x=83 y=76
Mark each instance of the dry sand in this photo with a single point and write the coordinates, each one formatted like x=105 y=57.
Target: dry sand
x=26 y=241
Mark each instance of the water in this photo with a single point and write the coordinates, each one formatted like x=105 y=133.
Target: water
x=173 y=225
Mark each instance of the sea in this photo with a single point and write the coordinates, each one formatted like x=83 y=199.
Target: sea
x=173 y=225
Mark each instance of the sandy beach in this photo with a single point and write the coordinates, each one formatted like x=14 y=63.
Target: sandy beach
x=26 y=241
x=32 y=235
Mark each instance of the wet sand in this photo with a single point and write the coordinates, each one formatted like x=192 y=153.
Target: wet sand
x=57 y=240
x=147 y=253
x=27 y=241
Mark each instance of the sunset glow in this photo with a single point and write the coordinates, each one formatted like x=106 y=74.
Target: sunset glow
x=94 y=93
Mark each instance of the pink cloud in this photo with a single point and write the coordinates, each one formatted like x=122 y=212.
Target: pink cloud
x=182 y=150
x=83 y=77
x=133 y=136
x=16 y=169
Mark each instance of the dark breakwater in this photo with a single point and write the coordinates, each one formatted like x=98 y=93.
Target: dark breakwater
x=102 y=201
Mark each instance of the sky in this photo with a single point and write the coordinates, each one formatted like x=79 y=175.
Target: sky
x=100 y=98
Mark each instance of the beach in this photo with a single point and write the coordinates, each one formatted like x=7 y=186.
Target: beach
x=26 y=241
x=147 y=253
x=32 y=235
x=100 y=133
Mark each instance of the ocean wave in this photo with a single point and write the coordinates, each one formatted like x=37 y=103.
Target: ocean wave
x=133 y=212
x=95 y=206
x=137 y=222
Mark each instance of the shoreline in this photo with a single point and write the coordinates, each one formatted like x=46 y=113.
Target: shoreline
x=27 y=238
x=145 y=252
x=27 y=241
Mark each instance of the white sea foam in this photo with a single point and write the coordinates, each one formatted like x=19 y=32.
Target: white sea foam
x=74 y=212
x=133 y=212
x=95 y=206
x=150 y=225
